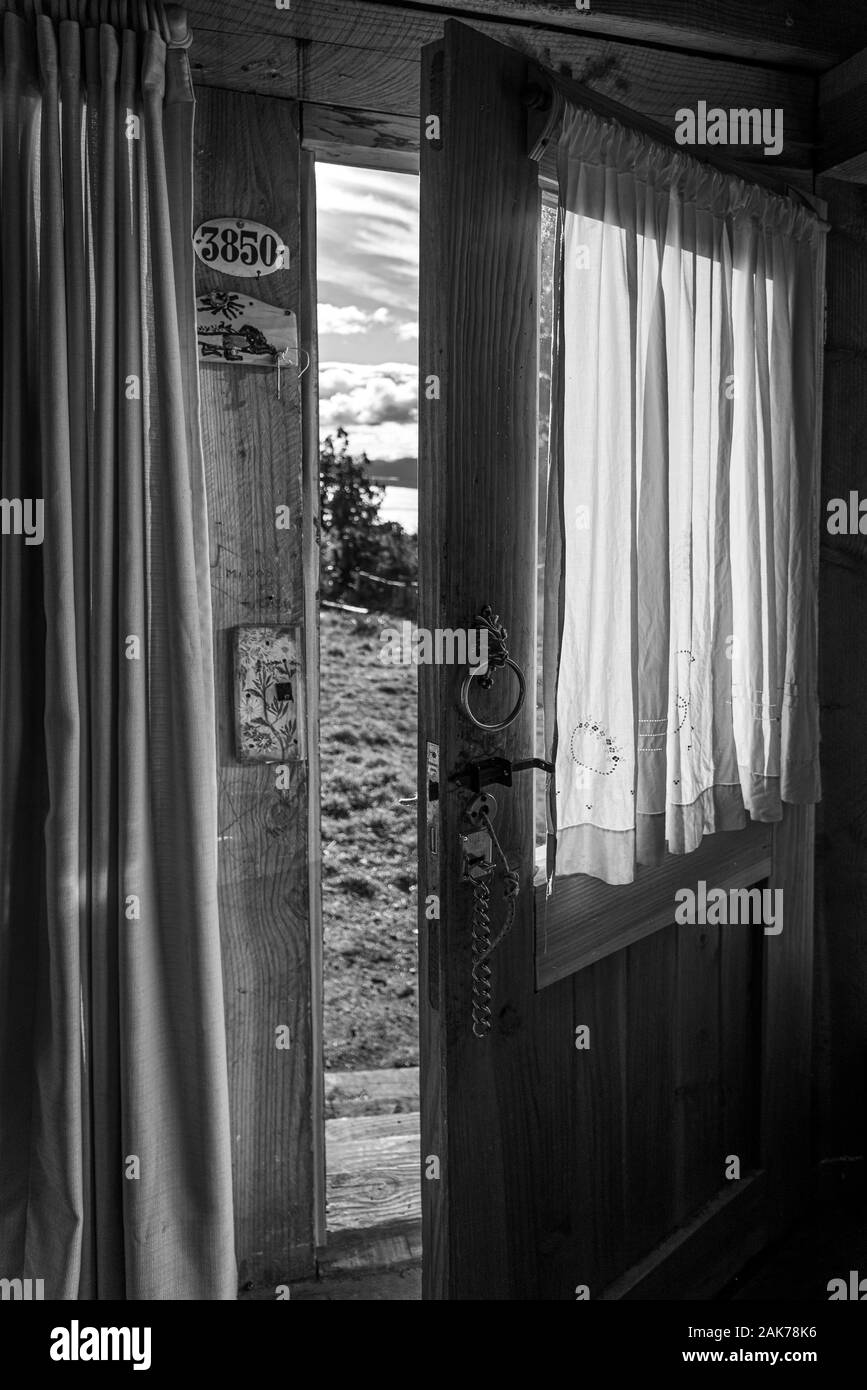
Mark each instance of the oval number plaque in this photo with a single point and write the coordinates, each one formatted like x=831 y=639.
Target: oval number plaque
x=237 y=246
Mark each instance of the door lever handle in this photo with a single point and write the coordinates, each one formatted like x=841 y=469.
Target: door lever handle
x=494 y=770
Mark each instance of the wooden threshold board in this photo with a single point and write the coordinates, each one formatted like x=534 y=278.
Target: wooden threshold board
x=373 y=1193
x=381 y=1091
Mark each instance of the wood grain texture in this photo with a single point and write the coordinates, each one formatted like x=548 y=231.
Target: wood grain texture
x=601 y=1222
x=366 y=57
x=383 y=1091
x=494 y=1214
x=843 y=120
x=705 y=1253
x=841 y=857
x=310 y=533
x=252 y=446
x=367 y=139
x=564 y=1166
x=787 y=1022
x=739 y=1043
x=797 y=34
x=651 y=1058
x=433 y=361
x=543 y=132
x=699 y=1155
x=373 y=1171
x=392 y=1245
x=586 y=919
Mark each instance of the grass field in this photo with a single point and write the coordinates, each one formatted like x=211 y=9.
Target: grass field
x=369 y=865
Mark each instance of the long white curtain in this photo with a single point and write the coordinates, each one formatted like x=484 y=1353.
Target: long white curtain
x=115 y=1132
x=681 y=575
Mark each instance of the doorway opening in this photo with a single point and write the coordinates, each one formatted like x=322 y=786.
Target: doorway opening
x=367 y=274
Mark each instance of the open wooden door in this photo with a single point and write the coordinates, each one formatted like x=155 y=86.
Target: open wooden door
x=551 y=1171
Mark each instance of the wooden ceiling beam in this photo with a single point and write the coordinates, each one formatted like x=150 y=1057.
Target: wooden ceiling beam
x=365 y=58
x=796 y=33
x=367 y=139
x=843 y=121
x=788 y=33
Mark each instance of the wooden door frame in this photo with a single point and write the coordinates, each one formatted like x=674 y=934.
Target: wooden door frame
x=309 y=340
x=253 y=449
x=483 y=166
x=313 y=151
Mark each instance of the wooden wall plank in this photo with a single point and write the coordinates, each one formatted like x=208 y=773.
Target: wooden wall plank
x=252 y=447
x=651 y=1154
x=586 y=919
x=798 y=34
x=308 y=341
x=699 y=1166
x=601 y=1228
x=740 y=952
x=706 y=1253
x=841 y=861
x=433 y=359
x=372 y=141
x=373 y=1174
x=787 y=1052
x=366 y=57
x=843 y=120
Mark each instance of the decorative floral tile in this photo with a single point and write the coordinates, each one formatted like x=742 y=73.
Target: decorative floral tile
x=269 y=690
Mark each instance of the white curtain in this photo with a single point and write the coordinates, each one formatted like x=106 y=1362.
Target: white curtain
x=681 y=559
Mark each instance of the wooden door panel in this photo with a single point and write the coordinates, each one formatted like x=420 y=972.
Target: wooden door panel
x=666 y=1090
x=546 y=1166
x=698 y=1259
x=478 y=1224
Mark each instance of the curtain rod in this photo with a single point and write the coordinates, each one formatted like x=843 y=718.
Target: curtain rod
x=546 y=93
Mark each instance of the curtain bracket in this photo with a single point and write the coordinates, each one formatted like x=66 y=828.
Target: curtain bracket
x=537 y=97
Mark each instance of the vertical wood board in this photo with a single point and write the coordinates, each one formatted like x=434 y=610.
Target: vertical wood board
x=247 y=163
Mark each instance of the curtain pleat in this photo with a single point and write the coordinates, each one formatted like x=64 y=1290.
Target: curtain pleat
x=681 y=574
x=115 y=1158
x=22 y=649
x=104 y=1069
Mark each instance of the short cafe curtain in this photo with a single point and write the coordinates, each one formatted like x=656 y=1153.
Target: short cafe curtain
x=115 y=1157
x=681 y=562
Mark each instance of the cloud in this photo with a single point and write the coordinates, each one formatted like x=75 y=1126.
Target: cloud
x=354 y=394
x=367 y=237
x=381 y=443
x=350 y=319
x=407 y=331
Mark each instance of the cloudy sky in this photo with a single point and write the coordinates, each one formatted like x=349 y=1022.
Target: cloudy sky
x=368 y=308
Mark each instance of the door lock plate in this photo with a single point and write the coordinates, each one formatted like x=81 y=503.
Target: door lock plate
x=476 y=857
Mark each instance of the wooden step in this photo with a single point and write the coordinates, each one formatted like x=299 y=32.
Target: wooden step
x=372 y=1163
x=384 y=1091
x=373 y=1193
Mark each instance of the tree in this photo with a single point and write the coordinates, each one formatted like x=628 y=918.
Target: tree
x=349 y=509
